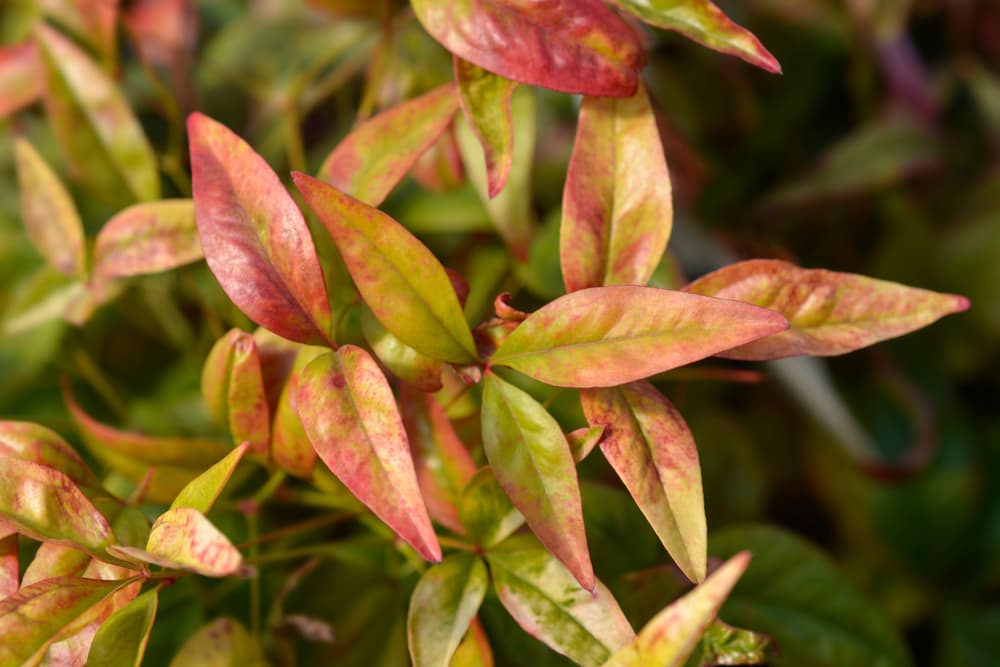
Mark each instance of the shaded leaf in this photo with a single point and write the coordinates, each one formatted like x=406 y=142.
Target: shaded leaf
x=474 y=651
x=204 y=489
x=829 y=312
x=182 y=538
x=122 y=638
x=31 y=442
x=232 y=383
x=532 y=462
x=254 y=237
x=725 y=645
x=402 y=360
x=606 y=336
x=290 y=446
x=617 y=209
x=10 y=571
x=488 y=515
x=583 y=440
x=485 y=99
x=147 y=238
x=222 y=642
x=440 y=168
x=55 y=560
x=22 y=79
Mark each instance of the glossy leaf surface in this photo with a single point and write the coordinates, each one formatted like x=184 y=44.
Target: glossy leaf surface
x=485 y=99
x=254 y=237
x=32 y=442
x=147 y=238
x=617 y=209
x=21 y=76
x=122 y=638
x=829 y=312
x=442 y=606
x=204 y=489
x=486 y=513
x=224 y=641
x=533 y=464
x=606 y=336
x=188 y=540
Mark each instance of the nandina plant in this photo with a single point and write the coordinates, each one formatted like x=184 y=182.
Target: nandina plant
x=373 y=415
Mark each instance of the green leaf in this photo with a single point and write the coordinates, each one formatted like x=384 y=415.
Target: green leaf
x=725 y=645
x=583 y=440
x=485 y=99
x=651 y=448
x=543 y=597
x=673 y=634
x=55 y=560
x=49 y=214
x=606 y=336
x=183 y=539
x=349 y=412
x=474 y=651
x=829 y=312
x=9 y=563
x=147 y=238
x=488 y=515
x=377 y=154
x=221 y=643
x=204 y=489
x=703 y=22
x=402 y=360
x=232 y=383
x=443 y=605
x=400 y=279
x=617 y=211
x=795 y=594
x=532 y=462
x=22 y=80
x=31 y=442
x=122 y=638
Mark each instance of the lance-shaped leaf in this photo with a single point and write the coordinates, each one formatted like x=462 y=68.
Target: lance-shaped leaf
x=254 y=237
x=183 y=539
x=49 y=214
x=549 y=604
x=377 y=154
x=9 y=565
x=829 y=312
x=400 y=279
x=94 y=124
x=203 y=490
x=402 y=360
x=606 y=336
x=290 y=446
x=533 y=464
x=486 y=513
x=222 y=642
x=350 y=414
x=147 y=238
x=443 y=605
x=485 y=99
x=31 y=442
x=617 y=211
x=574 y=46
x=122 y=638
x=233 y=386
x=671 y=636
x=40 y=614
x=22 y=79
x=651 y=448
x=703 y=22
x=55 y=560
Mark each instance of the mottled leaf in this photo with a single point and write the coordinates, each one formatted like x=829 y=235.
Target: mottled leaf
x=254 y=237
x=223 y=642
x=9 y=565
x=377 y=154
x=402 y=360
x=182 y=538
x=583 y=440
x=485 y=99
x=725 y=645
x=31 y=442
x=55 y=560
x=617 y=210
x=486 y=513
x=574 y=46
x=606 y=336
x=442 y=606
x=21 y=76
x=122 y=638
x=232 y=383
x=829 y=312
x=350 y=415
x=474 y=651
x=290 y=446
x=147 y=238
x=440 y=168
x=533 y=464
x=204 y=489
x=545 y=600
x=400 y=279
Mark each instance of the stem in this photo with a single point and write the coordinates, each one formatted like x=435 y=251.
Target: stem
x=456 y=544
x=253 y=527
x=317 y=522
x=96 y=378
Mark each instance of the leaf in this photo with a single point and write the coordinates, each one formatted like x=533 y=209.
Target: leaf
x=204 y=489
x=22 y=79
x=400 y=279
x=232 y=383
x=377 y=154
x=651 y=448
x=583 y=440
x=703 y=22
x=725 y=645
x=182 y=538
x=55 y=560
x=795 y=594
x=443 y=605
x=402 y=360
x=485 y=99
x=617 y=210
x=290 y=446
x=549 y=604
x=574 y=46
x=147 y=238
x=95 y=126
x=673 y=634
x=49 y=214
x=531 y=460
x=488 y=515
x=350 y=414
x=222 y=642
x=254 y=237
x=122 y=638
x=31 y=442
x=100 y=17
x=829 y=312
x=9 y=565
x=474 y=651
x=606 y=336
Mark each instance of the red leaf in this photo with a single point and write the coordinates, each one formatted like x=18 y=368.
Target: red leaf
x=147 y=238
x=21 y=77
x=9 y=565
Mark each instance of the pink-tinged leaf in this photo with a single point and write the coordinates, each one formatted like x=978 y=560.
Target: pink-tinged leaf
x=350 y=414
x=254 y=237
x=31 y=442
x=222 y=642
x=440 y=167
x=607 y=336
x=122 y=638
x=617 y=211
x=673 y=634
x=9 y=566
x=100 y=19
x=443 y=605
x=474 y=651
x=290 y=446
x=147 y=238
x=182 y=538
x=574 y=46
x=402 y=360
x=485 y=99
x=376 y=156
x=829 y=312
x=96 y=128
x=486 y=513
x=22 y=78
x=49 y=214
x=164 y=32
x=204 y=489
x=545 y=600
x=703 y=22
x=651 y=448
x=400 y=279
x=233 y=386
x=532 y=462
x=583 y=440
x=55 y=560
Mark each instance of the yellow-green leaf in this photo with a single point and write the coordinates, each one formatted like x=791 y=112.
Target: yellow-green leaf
x=122 y=638
x=222 y=643
x=147 y=238
x=203 y=490
x=485 y=99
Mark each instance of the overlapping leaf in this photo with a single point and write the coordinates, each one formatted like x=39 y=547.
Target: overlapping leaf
x=485 y=99
x=486 y=513
x=21 y=76
x=122 y=638
x=583 y=440
x=204 y=489
x=182 y=538
x=32 y=442
x=474 y=651
x=290 y=446
x=402 y=360
x=147 y=238
x=10 y=572
x=232 y=382
x=54 y=559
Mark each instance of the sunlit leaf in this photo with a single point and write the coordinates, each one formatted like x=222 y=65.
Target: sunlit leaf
x=485 y=99
x=31 y=442
x=147 y=238
x=21 y=76
x=10 y=572
x=203 y=490
x=232 y=383
x=829 y=312
x=606 y=336
x=182 y=538
x=488 y=515
x=617 y=210
x=122 y=638
x=254 y=237
x=402 y=360
x=442 y=606
x=221 y=643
